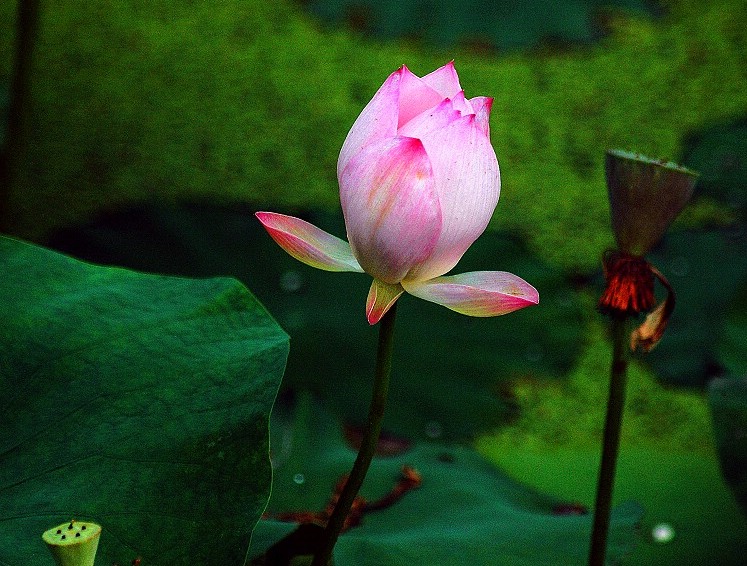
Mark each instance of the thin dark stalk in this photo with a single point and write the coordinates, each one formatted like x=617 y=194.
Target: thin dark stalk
x=368 y=445
x=19 y=104
x=611 y=442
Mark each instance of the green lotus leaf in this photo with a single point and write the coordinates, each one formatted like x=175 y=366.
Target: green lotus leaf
x=139 y=401
x=465 y=511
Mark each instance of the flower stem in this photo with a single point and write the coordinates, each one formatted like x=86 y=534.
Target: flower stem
x=611 y=441
x=368 y=445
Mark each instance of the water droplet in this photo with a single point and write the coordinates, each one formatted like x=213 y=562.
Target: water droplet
x=291 y=281
x=662 y=533
x=433 y=429
x=679 y=266
x=299 y=479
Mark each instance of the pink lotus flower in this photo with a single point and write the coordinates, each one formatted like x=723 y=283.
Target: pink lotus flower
x=419 y=182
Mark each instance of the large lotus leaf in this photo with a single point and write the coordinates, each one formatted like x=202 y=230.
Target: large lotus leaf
x=706 y=269
x=728 y=399
x=324 y=313
x=139 y=401
x=465 y=512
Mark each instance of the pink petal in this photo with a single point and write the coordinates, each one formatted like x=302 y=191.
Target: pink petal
x=478 y=293
x=309 y=244
x=415 y=96
x=433 y=119
x=462 y=104
x=391 y=208
x=381 y=297
x=467 y=181
x=377 y=121
x=482 y=106
x=444 y=80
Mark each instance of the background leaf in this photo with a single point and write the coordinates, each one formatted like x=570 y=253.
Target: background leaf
x=137 y=401
x=733 y=344
x=707 y=270
x=499 y=24
x=719 y=154
x=728 y=400
x=706 y=335
x=668 y=461
x=465 y=512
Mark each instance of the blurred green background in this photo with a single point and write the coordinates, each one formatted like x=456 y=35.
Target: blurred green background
x=155 y=129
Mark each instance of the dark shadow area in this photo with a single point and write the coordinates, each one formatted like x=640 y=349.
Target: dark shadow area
x=452 y=373
x=484 y=25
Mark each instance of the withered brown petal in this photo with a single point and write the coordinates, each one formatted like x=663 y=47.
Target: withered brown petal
x=648 y=334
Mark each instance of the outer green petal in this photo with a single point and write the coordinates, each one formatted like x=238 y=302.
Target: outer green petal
x=381 y=297
x=478 y=293
x=309 y=244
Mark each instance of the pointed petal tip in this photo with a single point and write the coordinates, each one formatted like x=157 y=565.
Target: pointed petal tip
x=488 y=104
x=374 y=317
x=381 y=298
x=450 y=67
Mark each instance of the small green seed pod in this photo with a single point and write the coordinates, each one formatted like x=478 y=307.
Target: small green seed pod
x=74 y=543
